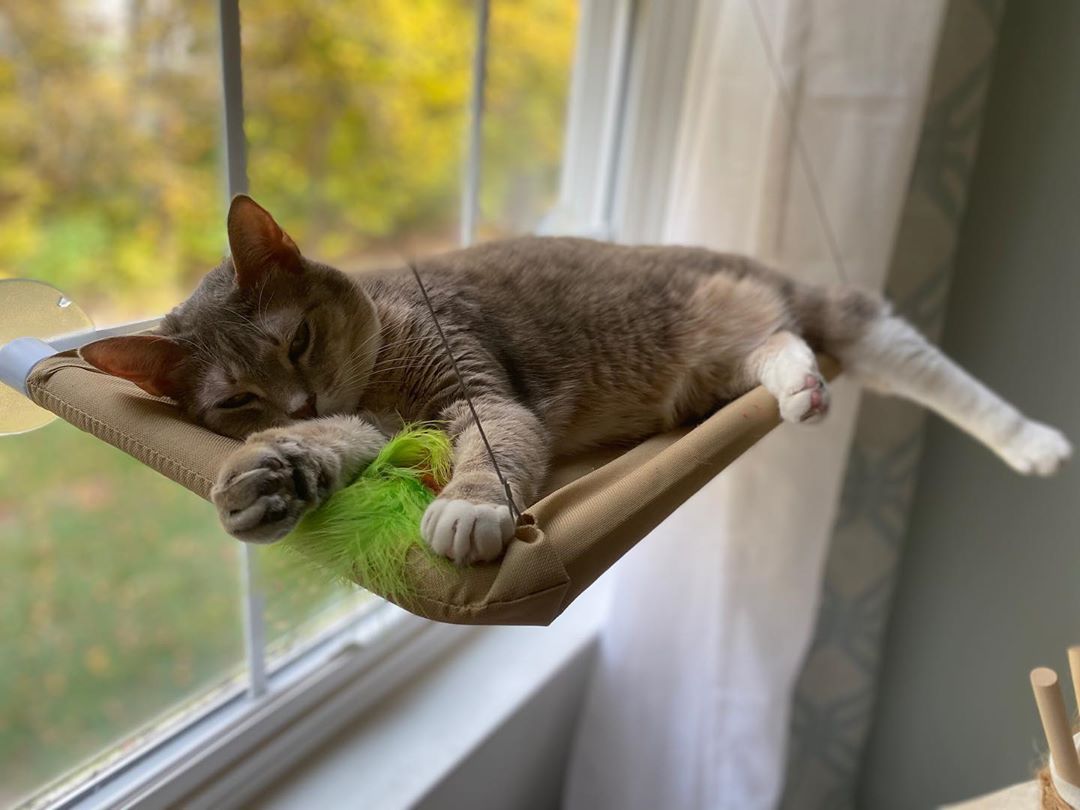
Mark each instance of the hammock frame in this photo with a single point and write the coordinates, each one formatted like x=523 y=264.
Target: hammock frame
x=594 y=509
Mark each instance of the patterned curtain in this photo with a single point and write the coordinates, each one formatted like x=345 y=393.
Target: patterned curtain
x=834 y=695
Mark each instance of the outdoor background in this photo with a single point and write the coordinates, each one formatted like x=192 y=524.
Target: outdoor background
x=120 y=594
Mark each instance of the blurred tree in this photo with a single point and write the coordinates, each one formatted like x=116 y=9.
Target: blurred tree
x=108 y=146
x=355 y=114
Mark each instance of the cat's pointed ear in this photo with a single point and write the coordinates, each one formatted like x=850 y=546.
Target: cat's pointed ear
x=153 y=363
x=258 y=243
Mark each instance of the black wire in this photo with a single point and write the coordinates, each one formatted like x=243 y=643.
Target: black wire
x=514 y=511
x=803 y=154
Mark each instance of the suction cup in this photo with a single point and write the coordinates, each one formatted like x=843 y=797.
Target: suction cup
x=38 y=310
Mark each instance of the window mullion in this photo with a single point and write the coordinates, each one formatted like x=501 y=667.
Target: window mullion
x=232 y=86
x=614 y=118
x=470 y=192
x=254 y=621
x=236 y=182
x=595 y=131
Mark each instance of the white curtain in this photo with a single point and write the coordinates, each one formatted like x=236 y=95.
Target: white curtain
x=712 y=614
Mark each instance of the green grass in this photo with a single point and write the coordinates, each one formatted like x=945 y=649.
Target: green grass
x=120 y=598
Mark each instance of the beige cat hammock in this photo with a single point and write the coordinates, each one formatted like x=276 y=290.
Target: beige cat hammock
x=596 y=506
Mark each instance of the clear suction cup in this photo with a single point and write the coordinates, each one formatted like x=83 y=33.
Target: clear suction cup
x=32 y=309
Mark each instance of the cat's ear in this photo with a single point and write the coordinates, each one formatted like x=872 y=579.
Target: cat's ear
x=152 y=362
x=258 y=243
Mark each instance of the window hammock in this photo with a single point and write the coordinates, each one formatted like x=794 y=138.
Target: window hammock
x=594 y=509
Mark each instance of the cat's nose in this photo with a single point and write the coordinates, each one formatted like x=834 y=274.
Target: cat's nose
x=307 y=411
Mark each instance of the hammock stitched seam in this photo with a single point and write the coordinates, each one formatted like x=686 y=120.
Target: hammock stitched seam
x=480 y=608
x=160 y=457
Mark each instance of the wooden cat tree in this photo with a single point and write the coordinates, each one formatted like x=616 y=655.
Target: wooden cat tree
x=1060 y=780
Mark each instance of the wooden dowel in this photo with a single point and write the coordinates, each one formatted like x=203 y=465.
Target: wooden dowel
x=1074 y=669
x=1055 y=723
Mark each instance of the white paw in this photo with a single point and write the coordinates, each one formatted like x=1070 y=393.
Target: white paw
x=806 y=400
x=467 y=532
x=1036 y=449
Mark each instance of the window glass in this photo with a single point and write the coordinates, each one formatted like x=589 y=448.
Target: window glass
x=123 y=600
x=530 y=58
x=121 y=595
x=355 y=117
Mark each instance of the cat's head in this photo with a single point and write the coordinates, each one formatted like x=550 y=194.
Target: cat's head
x=268 y=337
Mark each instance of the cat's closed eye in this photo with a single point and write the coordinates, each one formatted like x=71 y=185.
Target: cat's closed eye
x=237 y=400
x=300 y=342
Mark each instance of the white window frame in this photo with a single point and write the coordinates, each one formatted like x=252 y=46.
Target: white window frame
x=252 y=731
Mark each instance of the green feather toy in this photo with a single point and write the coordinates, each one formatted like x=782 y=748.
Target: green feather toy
x=366 y=532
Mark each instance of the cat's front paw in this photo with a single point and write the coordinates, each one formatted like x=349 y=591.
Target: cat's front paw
x=467 y=532
x=264 y=489
x=1036 y=449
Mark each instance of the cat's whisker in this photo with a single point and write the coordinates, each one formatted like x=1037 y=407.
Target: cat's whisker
x=387 y=369
x=389 y=347
x=405 y=341
x=392 y=366
x=393 y=351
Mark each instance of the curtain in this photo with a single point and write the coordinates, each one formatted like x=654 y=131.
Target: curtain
x=834 y=696
x=712 y=614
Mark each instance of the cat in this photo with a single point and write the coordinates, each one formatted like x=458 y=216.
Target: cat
x=564 y=343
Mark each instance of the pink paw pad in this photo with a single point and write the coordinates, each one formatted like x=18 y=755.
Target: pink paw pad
x=819 y=399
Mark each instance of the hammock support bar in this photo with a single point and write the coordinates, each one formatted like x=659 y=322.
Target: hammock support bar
x=18 y=358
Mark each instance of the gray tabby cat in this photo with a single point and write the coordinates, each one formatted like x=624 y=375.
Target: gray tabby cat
x=565 y=344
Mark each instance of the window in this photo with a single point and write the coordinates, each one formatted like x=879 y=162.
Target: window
x=124 y=613
x=121 y=598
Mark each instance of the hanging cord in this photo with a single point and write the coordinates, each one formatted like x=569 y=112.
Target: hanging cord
x=800 y=146
x=514 y=511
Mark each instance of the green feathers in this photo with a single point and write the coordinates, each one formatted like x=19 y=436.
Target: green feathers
x=365 y=532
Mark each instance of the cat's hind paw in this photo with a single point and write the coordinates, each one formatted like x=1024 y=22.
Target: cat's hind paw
x=1036 y=449
x=467 y=532
x=807 y=403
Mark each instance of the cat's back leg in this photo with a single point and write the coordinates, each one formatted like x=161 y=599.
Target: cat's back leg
x=786 y=366
x=742 y=333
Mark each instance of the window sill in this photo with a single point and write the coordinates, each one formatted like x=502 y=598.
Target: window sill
x=405 y=748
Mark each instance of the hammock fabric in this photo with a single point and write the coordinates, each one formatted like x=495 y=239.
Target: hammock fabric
x=596 y=506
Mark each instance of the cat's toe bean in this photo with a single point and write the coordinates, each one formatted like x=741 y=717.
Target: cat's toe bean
x=255 y=520
x=261 y=493
x=467 y=532
x=807 y=403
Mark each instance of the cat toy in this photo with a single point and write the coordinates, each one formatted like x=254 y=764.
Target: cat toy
x=366 y=532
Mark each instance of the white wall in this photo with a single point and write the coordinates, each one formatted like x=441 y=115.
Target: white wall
x=488 y=726
x=523 y=764
x=990 y=582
